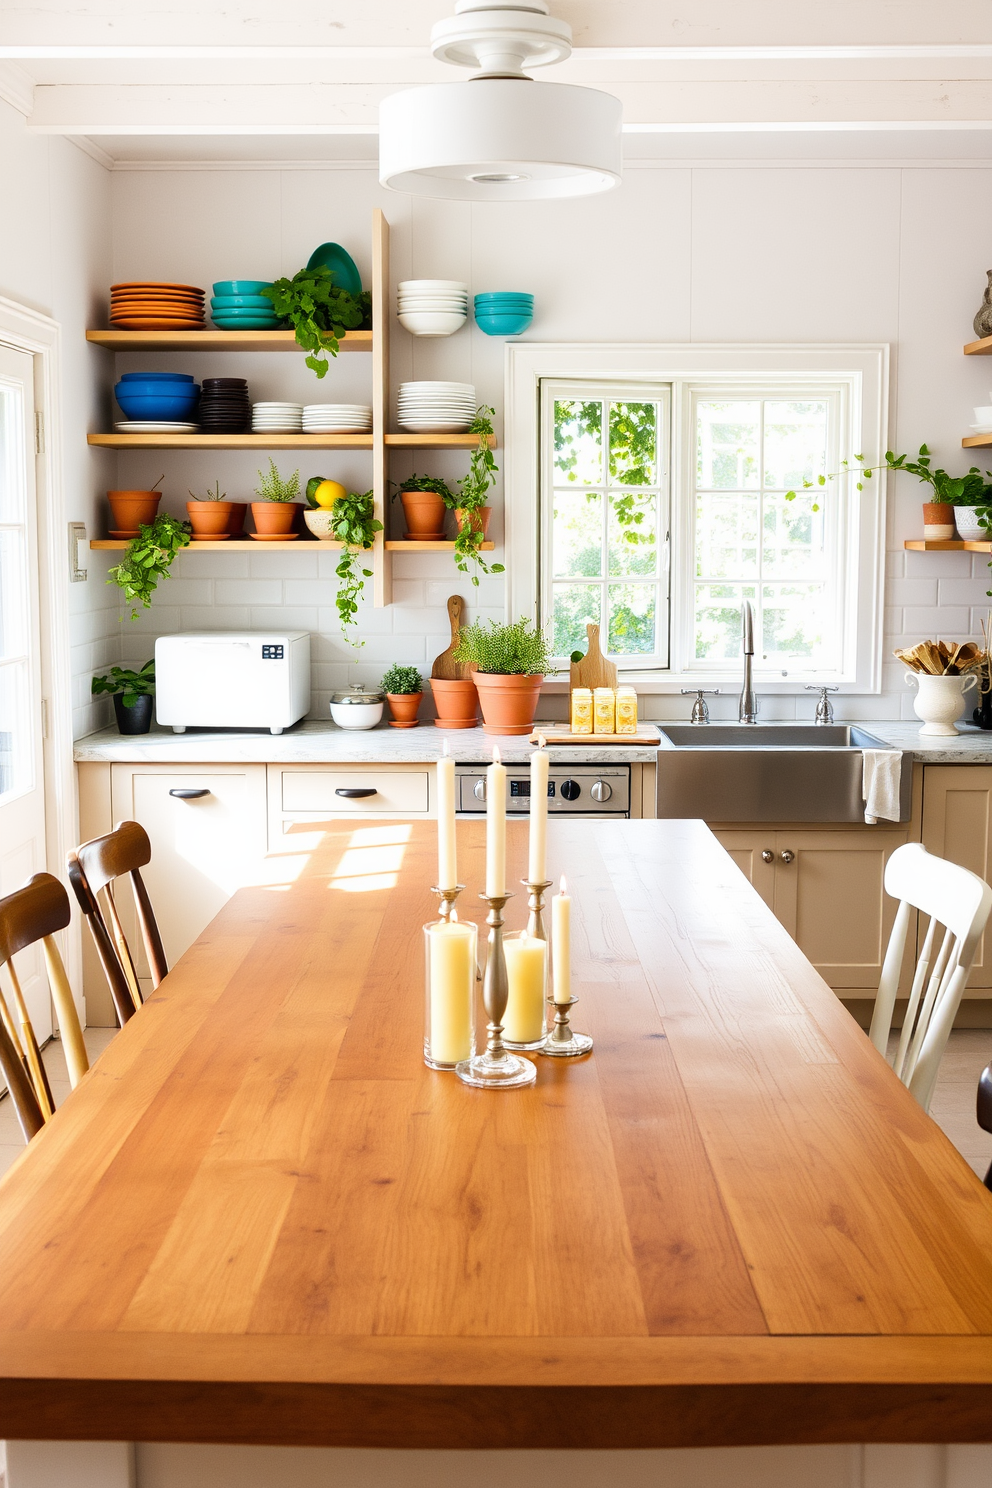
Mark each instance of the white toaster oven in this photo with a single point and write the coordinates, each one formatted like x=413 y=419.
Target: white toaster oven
x=232 y=679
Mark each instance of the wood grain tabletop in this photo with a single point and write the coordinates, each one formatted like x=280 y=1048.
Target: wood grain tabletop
x=261 y=1218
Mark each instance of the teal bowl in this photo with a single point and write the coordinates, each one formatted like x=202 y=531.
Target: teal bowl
x=241 y=286
x=503 y=325
x=241 y=302
x=502 y=296
x=245 y=323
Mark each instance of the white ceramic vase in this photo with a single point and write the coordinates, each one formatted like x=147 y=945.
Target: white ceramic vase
x=970 y=529
x=939 y=701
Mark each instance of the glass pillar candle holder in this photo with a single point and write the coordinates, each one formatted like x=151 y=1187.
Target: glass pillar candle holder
x=451 y=954
x=524 y=1021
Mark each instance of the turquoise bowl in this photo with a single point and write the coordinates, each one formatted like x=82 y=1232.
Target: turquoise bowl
x=503 y=324
x=245 y=323
x=503 y=297
x=241 y=286
x=241 y=302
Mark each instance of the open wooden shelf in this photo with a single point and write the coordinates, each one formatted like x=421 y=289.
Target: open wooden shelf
x=917 y=545
x=282 y=441
x=977 y=441
x=249 y=545
x=979 y=348
x=211 y=340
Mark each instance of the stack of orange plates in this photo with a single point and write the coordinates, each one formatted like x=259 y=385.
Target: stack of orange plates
x=145 y=306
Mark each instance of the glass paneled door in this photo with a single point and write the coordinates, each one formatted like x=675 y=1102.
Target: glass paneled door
x=22 y=785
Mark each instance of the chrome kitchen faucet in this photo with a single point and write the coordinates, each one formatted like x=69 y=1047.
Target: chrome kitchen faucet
x=747 y=710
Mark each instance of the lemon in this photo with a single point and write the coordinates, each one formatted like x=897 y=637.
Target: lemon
x=327 y=493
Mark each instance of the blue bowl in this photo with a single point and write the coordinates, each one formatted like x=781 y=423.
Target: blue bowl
x=138 y=387
x=156 y=406
x=156 y=377
x=241 y=286
x=503 y=325
x=241 y=302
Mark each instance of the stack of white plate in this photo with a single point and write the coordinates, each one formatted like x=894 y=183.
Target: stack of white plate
x=983 y=419
x=277 y=418
x=337 y=418
x=436 y=407
x=432 y=307
x=148 y=426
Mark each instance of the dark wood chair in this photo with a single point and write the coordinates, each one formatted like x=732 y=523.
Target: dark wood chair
x=985 y=1110
x=36 y=913
x=93 y=869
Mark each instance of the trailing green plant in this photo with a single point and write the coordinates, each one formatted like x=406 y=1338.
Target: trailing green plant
x=402 y=679
x=511 y=649
x=131 y=685
x=272 y=487
x=353 y=523
x=428 y=483
x=148 y=558
x=955 y=490
x=472 y=491
x=215 y=495
x=319 y=311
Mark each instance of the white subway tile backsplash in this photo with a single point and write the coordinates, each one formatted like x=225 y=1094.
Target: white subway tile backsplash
x=937 y=565
x=407 y=650
x=411 y=593
x=283 y=617
x=368 y=622
x=289 y=566
x=211 y=561
x=915 y=591
x=216 y=617
x=934 y=622
x=964 y=591
x=309 y=591
x=248 y=591
x=182 y=591
x=895 y=564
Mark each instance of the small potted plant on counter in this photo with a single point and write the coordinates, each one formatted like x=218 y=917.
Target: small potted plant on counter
x=511 y=662
x=132 y=693
x=275 y=511
x=133 y=509
x=210 y=514
x=425 y=500
x=404 y=689
x=471 y=511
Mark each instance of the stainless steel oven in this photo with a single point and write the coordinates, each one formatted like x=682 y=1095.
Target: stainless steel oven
x=588 y=790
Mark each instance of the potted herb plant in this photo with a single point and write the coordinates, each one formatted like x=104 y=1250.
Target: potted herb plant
x=132 y=693
x=471 y=511
x=511 y=661
x=319 y=311
x=210 y=514
x=425 y=500
x=133 y=509
x=354 y=523
x=148 y=559
x=404 y=689
x=275 y=511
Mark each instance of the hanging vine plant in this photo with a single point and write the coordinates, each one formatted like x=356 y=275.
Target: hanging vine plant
x=471 y=499
x=148 y=558
x=353 y=523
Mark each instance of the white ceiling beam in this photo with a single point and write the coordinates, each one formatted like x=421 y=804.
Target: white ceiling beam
x=342 y=108
x=412 y=54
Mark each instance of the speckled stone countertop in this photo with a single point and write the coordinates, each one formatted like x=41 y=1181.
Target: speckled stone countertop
x=323 y=743
x=971 y=747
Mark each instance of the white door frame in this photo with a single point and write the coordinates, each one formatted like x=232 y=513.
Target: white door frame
x=28 y=331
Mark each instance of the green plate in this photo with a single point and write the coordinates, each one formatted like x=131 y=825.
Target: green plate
x=341 y=264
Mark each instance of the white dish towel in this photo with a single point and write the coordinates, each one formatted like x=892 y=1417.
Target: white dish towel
x=880 y=784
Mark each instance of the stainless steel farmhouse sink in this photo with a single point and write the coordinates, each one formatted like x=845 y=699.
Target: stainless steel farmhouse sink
x=781 y=772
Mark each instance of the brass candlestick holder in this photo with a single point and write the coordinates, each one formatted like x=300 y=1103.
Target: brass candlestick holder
x=563 y=1042
x=535 y=904
x=447 y=898
x=497 y=1068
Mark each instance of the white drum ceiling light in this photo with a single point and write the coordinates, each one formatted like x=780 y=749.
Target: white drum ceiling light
x=500 y=136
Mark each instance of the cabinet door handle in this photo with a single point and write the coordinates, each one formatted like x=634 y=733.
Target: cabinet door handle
x=768 y=856
x=184 y=794
x=787 y=856
x=354 y=792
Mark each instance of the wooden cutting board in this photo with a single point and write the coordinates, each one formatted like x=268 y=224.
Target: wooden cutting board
x=445 y=667
x=594 y=670
x=558 y=734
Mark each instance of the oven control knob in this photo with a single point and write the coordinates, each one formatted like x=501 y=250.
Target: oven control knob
x=480 y=790
x=571 y=790
x=601 y=791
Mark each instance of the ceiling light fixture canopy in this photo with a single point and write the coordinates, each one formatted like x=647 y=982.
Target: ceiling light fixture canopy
x=500 y=136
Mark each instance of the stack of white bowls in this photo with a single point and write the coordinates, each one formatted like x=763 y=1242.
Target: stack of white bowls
x=277 y=418
x=337 y=418
x=983 y=419
x=432 y=307
x=436 y=407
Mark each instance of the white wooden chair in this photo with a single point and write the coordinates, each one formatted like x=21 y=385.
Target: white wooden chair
x=957 y=901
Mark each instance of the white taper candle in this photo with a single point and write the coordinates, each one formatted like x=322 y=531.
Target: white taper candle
x=538 y=844
x=447 y=853
x=561 y=945
x=496 y=828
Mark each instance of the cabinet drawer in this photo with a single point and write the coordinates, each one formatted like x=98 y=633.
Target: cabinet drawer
x=322 y=790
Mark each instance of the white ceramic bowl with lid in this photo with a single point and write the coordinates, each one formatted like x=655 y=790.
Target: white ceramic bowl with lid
x=357 y=707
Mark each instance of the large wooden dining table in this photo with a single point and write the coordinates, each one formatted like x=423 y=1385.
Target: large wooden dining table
x=261 y=1218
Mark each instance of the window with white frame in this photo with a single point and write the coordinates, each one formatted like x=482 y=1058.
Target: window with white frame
x=665 y=504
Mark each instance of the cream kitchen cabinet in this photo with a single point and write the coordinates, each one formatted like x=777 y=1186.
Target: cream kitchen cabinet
x=957 y=814
x=300 y=797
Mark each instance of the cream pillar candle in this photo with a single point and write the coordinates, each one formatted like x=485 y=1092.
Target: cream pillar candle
x=561 y=947
x=452 y=987
x=538 y=844
x=496 y=828
x=447 y=853
x=523 y=1021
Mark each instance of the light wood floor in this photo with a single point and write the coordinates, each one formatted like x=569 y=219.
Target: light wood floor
x=953 y=1105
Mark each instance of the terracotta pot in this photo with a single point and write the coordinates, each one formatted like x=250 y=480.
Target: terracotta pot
x=210 y=520
x=274 y=518
x=457 y=703
x=424 y=512
x=508 y=703
x=236 y=521
x=938 y=521
x=133 y=509
x=478 y=519
x=403 y=706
